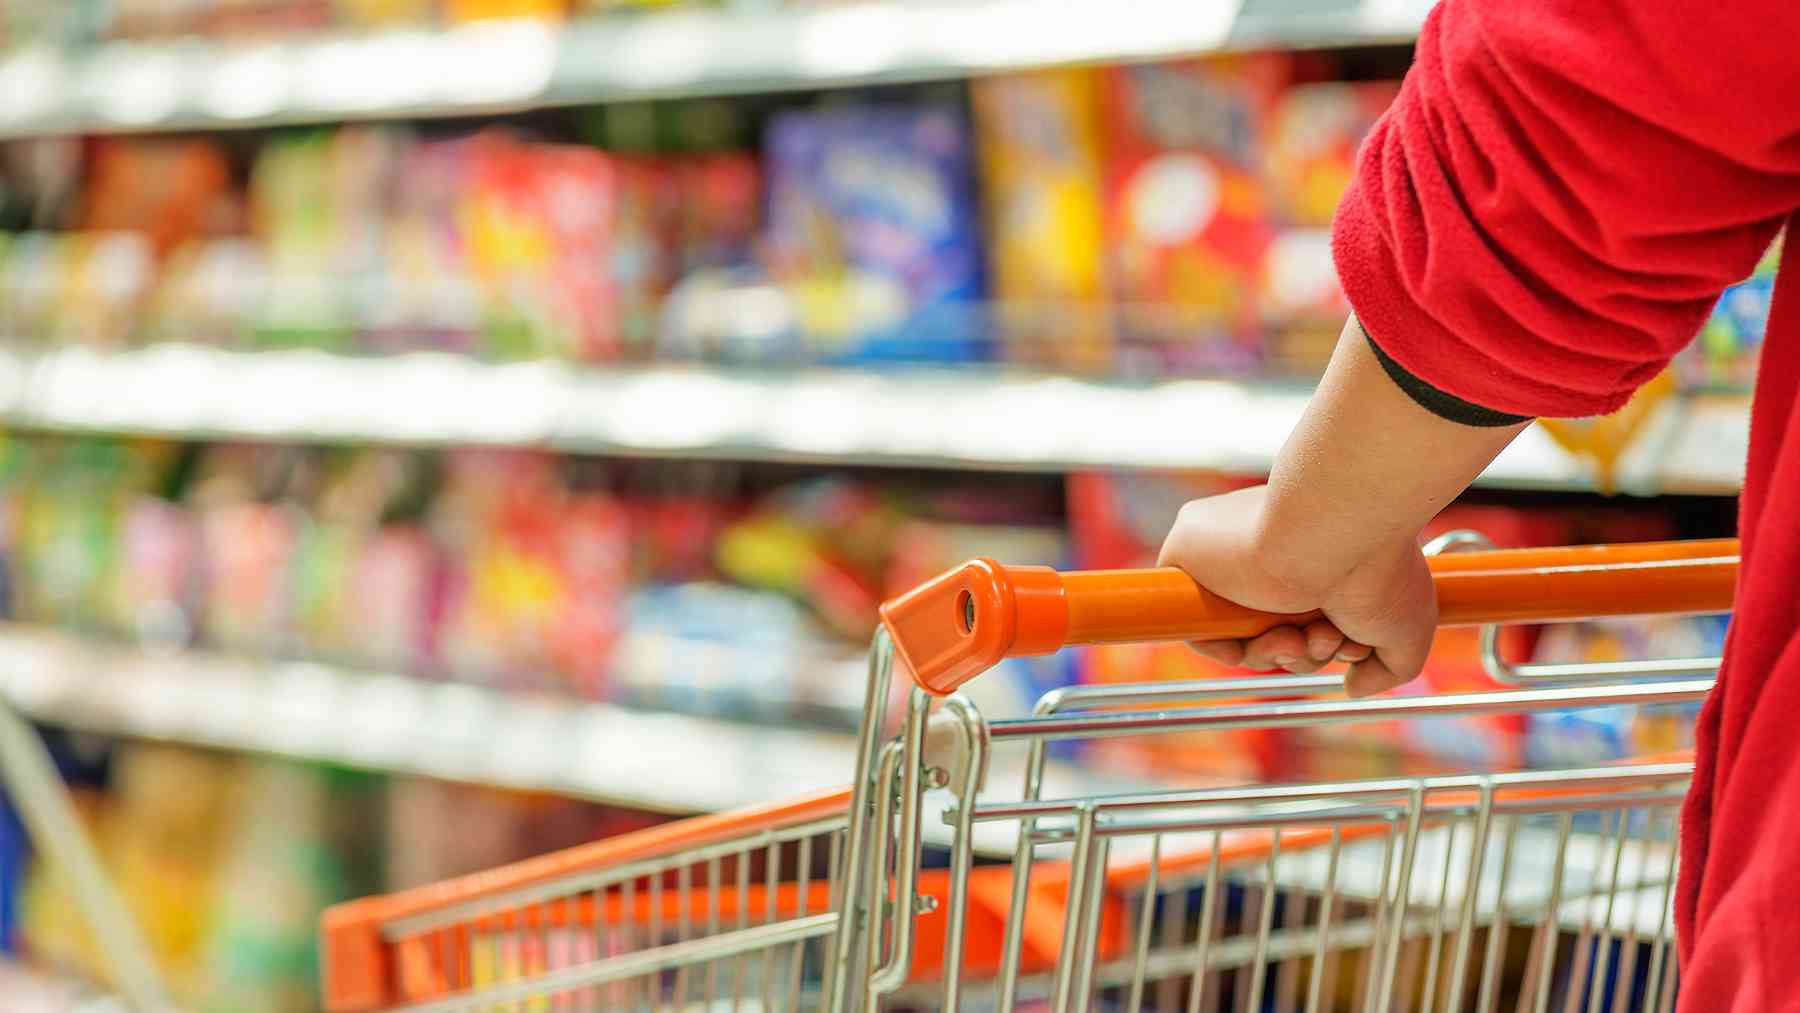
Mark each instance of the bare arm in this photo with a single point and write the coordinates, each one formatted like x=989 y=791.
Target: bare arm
x=1336 y=527
x=1365 y=469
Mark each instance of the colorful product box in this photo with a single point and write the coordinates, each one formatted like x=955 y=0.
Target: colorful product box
x=1040 y=138
x=1310 y=161
x=1601 y=734
x=1731 y=339
x=1312 y=149
x=1189 y=217
x=873 y=233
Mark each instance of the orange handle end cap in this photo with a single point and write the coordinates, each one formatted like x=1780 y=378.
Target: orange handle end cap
x=962 y=623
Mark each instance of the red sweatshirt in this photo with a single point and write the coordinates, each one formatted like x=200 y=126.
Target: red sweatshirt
x=1542 y=220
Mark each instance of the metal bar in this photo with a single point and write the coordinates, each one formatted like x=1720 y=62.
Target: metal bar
x=1603 y=944
x=684 y=926
x=803 y=872
x=1428 y=990
x=893 y=974
x=1294 y=714
x=972 y=757
x=1174 y=929
x=714 y=901
x=1465 y=926
x=840 y=992
x=1548 y=927
x=1265 y=922
x=30 y=776
x=1287 y=968
x=1539 y=673
x=879 y=887
x=414 y=925
x=743 y=924
x=636 y=965
x=1611 y=778
x=1654 y=980
x=1146 y=921
x=1090 y=921
x=771 y=881
x=1326 y=897
x=1095 y=696
x=1488 y=993
x=628 y=930
x=1629 y=949
x=1371 y=963
x=1014 y=931
x=1079 y=870
x=1209 y=902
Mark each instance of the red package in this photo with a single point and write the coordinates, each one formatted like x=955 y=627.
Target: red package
x=720 y=204
x=1187 y=211
x=1312 y=148
x=595 y=550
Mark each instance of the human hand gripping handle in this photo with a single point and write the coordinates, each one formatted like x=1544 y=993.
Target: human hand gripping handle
x=1336 y=529
x=958 y=625
x=1323 y=562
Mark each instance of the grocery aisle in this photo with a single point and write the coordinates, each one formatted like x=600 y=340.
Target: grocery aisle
x=436 y=433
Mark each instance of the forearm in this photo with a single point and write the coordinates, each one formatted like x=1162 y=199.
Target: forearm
x=1366 y=469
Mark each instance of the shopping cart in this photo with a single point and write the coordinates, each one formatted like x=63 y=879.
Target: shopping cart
x=1538 y=888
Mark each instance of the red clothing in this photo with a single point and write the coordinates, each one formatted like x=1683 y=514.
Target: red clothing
x=1542 y=220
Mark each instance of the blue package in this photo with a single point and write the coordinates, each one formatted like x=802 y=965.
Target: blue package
x=1599 y=734
x=874 y=229
x=13 y=853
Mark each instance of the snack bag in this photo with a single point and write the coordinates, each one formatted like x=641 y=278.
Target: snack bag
x=542 y=225
x=389 y=588
x=159 y=571
x=293 y=215
x=595 y=555
x=1041 y=167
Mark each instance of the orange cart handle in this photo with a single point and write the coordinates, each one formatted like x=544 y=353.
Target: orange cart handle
x=960 y=624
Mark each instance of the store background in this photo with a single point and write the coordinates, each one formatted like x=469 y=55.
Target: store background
x=440 y=432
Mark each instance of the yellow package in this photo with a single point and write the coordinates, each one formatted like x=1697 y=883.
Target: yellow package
x=1039 y=136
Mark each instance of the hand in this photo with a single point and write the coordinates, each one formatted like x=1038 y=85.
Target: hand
x=1380 y=612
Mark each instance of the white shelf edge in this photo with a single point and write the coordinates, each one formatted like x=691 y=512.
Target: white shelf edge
x=955 y=418
x=396 y=724
x=486 y=67
x=391 y=723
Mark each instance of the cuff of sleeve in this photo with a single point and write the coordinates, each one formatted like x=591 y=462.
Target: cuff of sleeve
x=1445 y=406
x=1414 y=341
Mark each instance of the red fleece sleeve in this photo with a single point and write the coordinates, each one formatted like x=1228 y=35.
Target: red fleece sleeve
x=1563 y=187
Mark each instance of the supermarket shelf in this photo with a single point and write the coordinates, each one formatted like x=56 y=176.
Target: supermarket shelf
x=380 y=721
x=395 y=723
x=32 y=989
x=986 y=419
x=507 y=65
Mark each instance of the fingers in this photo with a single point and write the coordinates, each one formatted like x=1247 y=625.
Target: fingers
x=1281 y=647
x=1323 y=640
x=1225 y=652
x=1300 y=650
